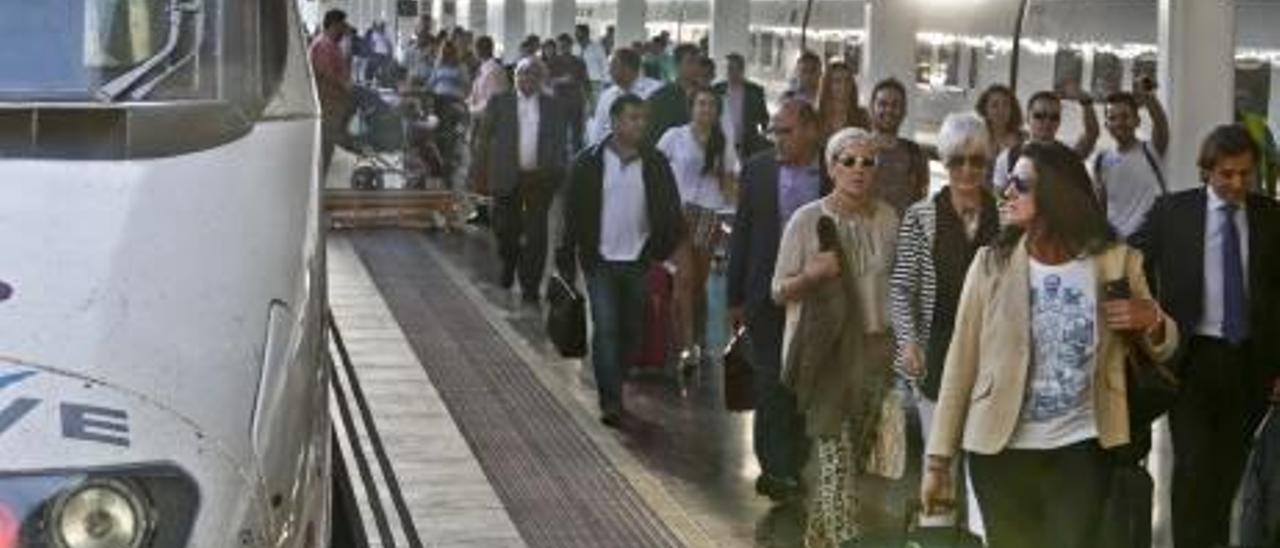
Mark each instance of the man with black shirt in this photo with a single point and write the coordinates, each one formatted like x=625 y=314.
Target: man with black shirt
x=745 y=105
x=571 y=85
x=669 y=106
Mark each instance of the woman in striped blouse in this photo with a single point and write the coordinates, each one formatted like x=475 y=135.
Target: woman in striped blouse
x=937 y=240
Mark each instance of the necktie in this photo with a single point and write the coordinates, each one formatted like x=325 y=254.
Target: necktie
x=1235 y=316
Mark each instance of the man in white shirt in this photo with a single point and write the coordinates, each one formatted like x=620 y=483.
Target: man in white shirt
x=491 y=78
x=525 y=128
x=594 y=56
x=624 y=69
x=621 y=215
x=1130 y=177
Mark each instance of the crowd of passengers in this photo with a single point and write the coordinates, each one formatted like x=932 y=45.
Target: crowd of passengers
x=1012 y=304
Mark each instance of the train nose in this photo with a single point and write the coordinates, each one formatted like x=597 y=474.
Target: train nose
x=81 y=458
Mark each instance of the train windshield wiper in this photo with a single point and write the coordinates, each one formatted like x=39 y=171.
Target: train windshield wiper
x=136 y=79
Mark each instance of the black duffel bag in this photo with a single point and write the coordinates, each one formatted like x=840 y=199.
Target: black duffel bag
x=566 y=318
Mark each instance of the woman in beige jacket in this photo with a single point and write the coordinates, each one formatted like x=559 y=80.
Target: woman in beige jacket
x=1034 y=385
x=837 y=343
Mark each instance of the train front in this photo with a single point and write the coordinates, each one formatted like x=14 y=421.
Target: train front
x=162 y=380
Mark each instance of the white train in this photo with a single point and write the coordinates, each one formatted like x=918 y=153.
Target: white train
x=163 y=365
x=963 y=46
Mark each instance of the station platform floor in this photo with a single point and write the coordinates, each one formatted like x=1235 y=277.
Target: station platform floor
x=491 y=439
x=463 y=427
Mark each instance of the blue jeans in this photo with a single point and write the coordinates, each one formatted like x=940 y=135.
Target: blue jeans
x=616 y=291
x=779 y=438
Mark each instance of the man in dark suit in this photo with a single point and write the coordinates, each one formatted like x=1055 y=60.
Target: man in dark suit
x=527 y=135
x=1212 y=255
x=774 y=185
x=669 y=106
x=621 y=215
x=745 y=104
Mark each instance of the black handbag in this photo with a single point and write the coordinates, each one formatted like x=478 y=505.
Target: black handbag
x=1151 y=387
x=566 y=318
x=739 y=373
x=1126 y=519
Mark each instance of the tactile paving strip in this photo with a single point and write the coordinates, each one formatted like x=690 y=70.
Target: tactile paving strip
x=557 y=486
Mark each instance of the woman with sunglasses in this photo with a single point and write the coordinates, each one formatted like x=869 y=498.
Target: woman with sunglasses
x=1033 y=389
x=937 y=240
x=705 y=164
x=832 y=276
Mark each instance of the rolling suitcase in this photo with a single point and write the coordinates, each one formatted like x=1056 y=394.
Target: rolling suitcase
x=655 y=342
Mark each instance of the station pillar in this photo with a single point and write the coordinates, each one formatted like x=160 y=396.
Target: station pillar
x=563 y=15
x=631 y=17
x=730 y=29
x=889 y=48
x=1196 y=78
x=476 y=13
x=513 y=28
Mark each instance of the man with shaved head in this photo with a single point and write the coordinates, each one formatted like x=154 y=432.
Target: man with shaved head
x=775 y=183
x=526 y=157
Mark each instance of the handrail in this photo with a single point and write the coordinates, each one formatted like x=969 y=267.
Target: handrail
x=115 y=88
x=145 y=89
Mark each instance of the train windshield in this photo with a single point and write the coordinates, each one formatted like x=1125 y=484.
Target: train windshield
x=106 y=50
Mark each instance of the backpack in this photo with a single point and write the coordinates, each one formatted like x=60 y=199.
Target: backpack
x=1100 y=187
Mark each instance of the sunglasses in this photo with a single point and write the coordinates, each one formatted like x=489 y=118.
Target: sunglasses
x=1050 y=116
x=853 y=160
x=1019 y=184
x=975 y=161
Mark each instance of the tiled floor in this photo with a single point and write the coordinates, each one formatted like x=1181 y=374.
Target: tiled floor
x=700 y=453
x=450 y=500
x=689 y=459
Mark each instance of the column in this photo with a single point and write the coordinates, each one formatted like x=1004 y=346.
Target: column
x=513 y=28
x=448 y=17
x=563 y=15
x=730 y=28
x=631 y=16
x=1196 y=74
x=890 y=48
x=472 y=16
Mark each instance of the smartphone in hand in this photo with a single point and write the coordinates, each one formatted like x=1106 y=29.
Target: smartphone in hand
x=1117 y=290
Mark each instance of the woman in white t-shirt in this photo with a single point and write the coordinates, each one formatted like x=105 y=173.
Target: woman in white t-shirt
x=706 y=168
x=1034 y=383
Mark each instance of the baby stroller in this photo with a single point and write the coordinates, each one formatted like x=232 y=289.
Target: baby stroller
x=436 y=127
x=376 y=132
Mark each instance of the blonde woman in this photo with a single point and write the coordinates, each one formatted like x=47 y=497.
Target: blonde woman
x=837 y=343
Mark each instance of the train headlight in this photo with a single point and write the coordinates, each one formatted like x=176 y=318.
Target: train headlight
x=134 y=506
x=101 y=514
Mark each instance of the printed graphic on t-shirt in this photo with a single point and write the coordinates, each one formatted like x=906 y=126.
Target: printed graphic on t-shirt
x=1062 y=327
